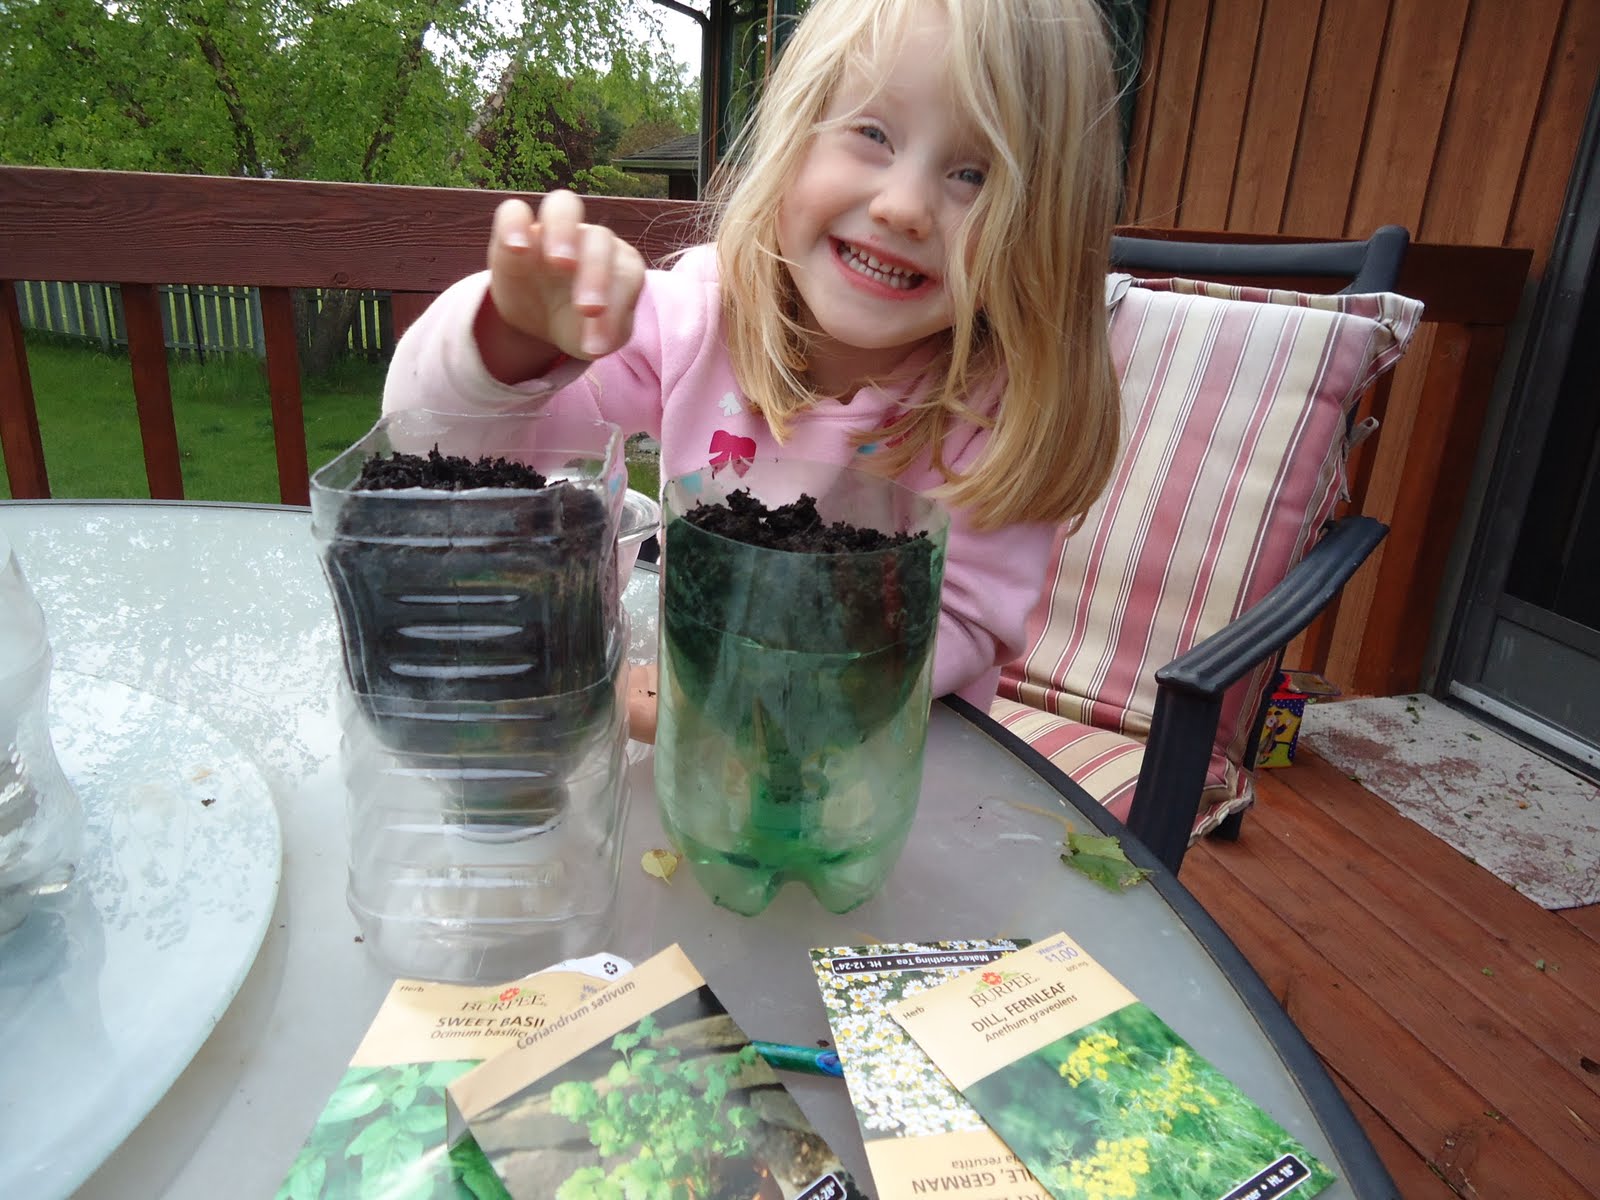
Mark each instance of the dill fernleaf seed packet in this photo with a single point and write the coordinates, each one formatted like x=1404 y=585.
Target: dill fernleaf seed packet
x=1095 y=1092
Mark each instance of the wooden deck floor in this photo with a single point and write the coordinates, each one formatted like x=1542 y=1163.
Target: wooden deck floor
x=1461 y=1020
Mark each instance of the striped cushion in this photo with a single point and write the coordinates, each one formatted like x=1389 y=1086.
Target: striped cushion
x=1235 y=403
x=1106 y=765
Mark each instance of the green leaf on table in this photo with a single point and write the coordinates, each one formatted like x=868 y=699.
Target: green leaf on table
x=1102 y=860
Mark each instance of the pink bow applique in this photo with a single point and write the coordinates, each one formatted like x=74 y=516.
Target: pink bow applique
x=731 y=450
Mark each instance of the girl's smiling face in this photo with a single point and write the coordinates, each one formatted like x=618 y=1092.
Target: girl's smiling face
x=869 y=222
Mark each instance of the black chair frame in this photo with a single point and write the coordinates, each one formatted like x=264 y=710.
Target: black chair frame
x=1369 y=266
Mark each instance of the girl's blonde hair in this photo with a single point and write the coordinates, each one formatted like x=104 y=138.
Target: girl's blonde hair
x=1035 y=78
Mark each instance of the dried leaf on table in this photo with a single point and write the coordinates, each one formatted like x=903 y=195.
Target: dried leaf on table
x=659 y=863
x=1102 y=860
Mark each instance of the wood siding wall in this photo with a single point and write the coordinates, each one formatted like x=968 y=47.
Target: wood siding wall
x=1458 y=119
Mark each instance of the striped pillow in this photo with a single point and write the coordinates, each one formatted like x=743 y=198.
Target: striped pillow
x=1235 y=403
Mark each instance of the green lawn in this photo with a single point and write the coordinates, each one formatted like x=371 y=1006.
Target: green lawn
x=90 y=427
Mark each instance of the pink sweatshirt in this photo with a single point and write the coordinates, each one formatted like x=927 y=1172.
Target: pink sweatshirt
x=673 y=380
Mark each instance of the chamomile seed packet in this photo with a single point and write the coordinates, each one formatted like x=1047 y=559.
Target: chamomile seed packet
x=921 y=1136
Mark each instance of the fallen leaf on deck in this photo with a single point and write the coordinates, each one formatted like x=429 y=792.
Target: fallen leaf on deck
x=659 y=863
x=1102 y=860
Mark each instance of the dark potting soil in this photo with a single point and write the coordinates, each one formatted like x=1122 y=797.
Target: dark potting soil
x=451 y=593
x=443 y=472
x=796 y=526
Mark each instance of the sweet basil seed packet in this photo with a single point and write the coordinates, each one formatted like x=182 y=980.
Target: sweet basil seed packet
x=647 y=1089
x=1094 y=1092
x=381 y=1135
x=922 y=1138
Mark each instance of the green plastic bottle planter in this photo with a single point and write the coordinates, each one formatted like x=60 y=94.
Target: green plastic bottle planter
x=795 y=687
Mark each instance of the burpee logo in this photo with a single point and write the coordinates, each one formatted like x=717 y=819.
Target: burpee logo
x=995 y=983
x=510 y=993
x=991 y=979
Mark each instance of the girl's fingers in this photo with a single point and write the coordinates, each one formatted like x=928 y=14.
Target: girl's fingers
x=560 y=218
x=591 y=283
x=612 y=324
x=512 y=228
x=642 y=687
x=567 y=283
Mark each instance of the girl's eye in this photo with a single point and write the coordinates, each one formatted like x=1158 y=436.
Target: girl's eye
x=873 y=133
x=971 y=176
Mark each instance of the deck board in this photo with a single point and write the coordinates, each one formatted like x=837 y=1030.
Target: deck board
x=1416 y=1179
x=1413 y=972
x=1585 y=920
x=1461 y=885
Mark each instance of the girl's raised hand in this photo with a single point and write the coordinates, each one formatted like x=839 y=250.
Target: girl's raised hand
x=562 y=283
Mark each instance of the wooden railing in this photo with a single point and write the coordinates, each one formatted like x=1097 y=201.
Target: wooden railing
x=143 y=230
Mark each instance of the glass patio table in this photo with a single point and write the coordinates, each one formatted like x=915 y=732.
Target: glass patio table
x=212 y=623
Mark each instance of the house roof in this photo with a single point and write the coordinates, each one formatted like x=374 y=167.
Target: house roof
x=676 y=154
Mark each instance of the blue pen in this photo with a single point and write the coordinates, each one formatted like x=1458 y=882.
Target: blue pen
x=808 y=1060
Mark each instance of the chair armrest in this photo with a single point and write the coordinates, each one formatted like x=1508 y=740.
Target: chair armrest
x=1190 y=687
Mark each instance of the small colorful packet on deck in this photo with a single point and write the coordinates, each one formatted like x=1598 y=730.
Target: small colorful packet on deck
x=381 y=1136
x=921 y=1137
x=1094 y=1092
x=647 y=1089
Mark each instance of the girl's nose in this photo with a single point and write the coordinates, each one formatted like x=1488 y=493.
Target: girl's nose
x=904 y=204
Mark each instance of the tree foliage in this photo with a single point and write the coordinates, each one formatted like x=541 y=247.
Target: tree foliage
x=355 y=90
x=524 y=94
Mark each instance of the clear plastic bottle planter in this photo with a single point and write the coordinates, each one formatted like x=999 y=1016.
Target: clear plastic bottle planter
x=795 y=688
x=484 y=650
x=482 y=869
x=41 y=820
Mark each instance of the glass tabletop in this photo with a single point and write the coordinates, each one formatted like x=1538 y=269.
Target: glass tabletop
x=222 y=609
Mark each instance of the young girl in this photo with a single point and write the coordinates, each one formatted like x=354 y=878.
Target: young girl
x=908 y=275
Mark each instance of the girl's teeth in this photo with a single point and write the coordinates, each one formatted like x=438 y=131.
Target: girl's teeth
x=869 y=265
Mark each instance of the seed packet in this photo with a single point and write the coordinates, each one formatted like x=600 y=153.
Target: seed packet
x=647 y=1089
x=922 y=1138
x=1094 y=1091
x=381 y=1135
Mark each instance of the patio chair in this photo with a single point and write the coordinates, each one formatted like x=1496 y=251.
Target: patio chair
x=1213 y=546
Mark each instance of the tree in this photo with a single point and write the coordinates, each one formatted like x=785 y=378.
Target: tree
x=438 y=92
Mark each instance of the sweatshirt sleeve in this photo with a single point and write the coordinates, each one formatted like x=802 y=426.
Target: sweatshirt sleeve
x=992 y=581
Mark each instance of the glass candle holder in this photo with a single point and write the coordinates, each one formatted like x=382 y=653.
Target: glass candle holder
x=41 y=820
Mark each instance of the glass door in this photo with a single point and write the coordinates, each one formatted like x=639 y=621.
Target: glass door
x=1525 y=645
